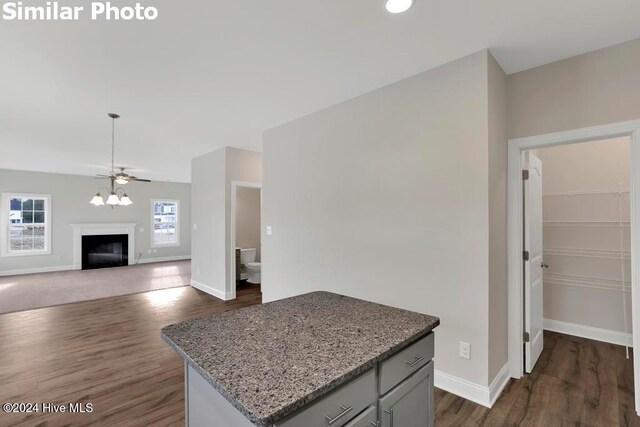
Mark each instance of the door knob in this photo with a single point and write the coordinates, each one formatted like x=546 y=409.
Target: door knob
x=544 y=265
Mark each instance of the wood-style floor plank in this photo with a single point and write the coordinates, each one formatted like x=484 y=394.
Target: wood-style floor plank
x=109 y=352
x=577 y=382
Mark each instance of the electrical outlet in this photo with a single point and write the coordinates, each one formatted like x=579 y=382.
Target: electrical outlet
x=465 y=350
x=195 y=227
x=269 y=230
x=141 y=230
x=148 y=251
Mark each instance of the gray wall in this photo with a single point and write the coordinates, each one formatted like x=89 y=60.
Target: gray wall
x=208 y=207
x=70 y=195
x=246 y=166
x=248 y=219
x=596 y=88
x=386 y=197
x=498 y=313
x=211 y=177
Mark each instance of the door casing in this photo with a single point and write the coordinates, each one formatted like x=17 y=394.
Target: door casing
x=515 y=231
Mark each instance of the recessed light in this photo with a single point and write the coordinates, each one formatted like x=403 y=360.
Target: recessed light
x=399 y=6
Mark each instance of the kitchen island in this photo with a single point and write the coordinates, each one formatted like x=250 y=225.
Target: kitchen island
x=313 y=360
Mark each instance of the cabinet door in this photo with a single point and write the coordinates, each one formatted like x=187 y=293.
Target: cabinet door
x=410 y=404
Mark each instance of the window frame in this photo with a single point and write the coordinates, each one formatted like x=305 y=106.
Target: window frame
x=154 y=244
x=5 y=245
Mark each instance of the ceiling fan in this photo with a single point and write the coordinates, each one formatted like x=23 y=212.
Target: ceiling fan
x=119 y=177
x=117 y=196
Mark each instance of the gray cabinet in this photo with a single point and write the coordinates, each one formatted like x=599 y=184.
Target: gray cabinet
x=404 y=363
x=398 y=392
x=338 y=407
x=368 y=418
x=410 y=404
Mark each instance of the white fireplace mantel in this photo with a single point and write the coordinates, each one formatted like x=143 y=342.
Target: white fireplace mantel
x=80 y=230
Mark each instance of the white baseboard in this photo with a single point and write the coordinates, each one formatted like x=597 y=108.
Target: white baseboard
x=498 y=384
x=461 y=387
x=482 y=395
x=37 y=270
x=225 y=296
x=597 y=334
x=164 y=259
x=72 y=267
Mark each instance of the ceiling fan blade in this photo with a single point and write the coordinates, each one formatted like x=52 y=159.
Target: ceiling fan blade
x=102 y=176
x=139 y=179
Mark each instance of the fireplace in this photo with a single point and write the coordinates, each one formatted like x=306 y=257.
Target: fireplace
x=103 y=229
x=105 y=250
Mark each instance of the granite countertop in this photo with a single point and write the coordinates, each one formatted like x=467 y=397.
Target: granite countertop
x=271 y=359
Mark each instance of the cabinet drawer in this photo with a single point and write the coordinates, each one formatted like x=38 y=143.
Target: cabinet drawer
x=406 y=362
x=368 y=418
x=339 y=406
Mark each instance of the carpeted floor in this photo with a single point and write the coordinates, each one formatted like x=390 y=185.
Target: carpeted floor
x=28 y=291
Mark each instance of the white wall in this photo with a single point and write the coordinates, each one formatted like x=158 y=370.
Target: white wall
x=211 y=177
x=248 y=219
x=70 y=195
x=386 y=197
x=579 y=168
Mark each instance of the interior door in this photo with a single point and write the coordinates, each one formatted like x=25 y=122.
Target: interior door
x=533 y=267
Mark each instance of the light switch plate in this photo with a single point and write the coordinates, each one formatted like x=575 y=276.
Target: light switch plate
x=141 y=230
x=269 y=230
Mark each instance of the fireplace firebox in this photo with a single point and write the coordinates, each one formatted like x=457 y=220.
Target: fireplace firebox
x=102 y=251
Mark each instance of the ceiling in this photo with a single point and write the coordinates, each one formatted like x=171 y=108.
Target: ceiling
x=208 y=74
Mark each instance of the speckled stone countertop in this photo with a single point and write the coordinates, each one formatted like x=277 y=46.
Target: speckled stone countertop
x=271 y=359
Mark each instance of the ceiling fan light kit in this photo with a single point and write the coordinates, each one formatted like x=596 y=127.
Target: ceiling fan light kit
x=113 y=199
x=125 y=200
x=97 y=200
x=117 y=196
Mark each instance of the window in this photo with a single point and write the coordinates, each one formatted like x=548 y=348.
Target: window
x=165 y=223
x=26 y=219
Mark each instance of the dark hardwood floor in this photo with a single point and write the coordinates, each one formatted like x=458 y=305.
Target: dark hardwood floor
x=109 y=352
x=576 y=382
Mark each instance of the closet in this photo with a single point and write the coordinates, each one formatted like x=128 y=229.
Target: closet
x=586 y=239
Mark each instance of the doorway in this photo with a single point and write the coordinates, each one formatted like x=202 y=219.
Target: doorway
x=577 y=241
x=245 y=235
x=518 y=274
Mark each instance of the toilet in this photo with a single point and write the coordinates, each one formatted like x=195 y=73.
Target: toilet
x=253 y=272
x=251 y=268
